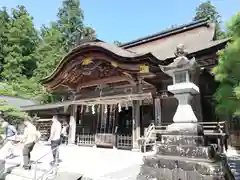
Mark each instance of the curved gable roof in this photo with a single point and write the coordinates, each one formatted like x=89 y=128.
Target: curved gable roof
x=118 y=54
x=196 y=37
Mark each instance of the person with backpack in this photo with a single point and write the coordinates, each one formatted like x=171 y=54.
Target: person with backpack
x=10 y=137
x=30 y=137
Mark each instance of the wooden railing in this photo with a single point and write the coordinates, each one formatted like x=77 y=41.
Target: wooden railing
x=211 y=131
x=86 y=139
x=124 y=141
x=149 y=138
x=121 y=141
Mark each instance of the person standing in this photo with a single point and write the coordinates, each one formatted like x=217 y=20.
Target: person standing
x=29 y=139
x=64 y=133
x=55 y=138
x=10 y=136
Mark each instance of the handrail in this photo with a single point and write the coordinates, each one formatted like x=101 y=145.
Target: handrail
x=36 y=163
x=44 y=155
x=148 y=134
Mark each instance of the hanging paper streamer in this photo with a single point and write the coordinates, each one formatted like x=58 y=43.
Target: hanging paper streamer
x=126 y=106
x=111 y=108
x=98 y=108
x=82 y=107
x=87 y=109
x=119 y=107
x=93 y=109
x=105 y=110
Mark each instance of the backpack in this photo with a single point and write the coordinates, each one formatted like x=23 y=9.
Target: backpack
x=12 y=130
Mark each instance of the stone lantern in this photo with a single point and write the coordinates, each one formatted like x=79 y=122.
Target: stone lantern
x=183 y=88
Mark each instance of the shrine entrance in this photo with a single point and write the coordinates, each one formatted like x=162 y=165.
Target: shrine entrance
x=107 y=88
x=108 y=121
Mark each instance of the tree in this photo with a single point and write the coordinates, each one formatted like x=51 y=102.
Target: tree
x=12 y=114
x=207 y=10
x=4 y=21
x=71 y=25
x=27 y=56
x=117 y=43
x=58 y=39
x=227 y=72
x=49 y=52
x=22 y=39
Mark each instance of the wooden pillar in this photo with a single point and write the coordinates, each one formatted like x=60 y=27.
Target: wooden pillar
x=136 y=117
x=157 y=110
x=136 y=123
x=72 y=125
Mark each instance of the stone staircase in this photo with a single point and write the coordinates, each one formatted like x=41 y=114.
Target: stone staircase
x=234 y=164
x=18 y=173
x=13 y=171
x=183 y=157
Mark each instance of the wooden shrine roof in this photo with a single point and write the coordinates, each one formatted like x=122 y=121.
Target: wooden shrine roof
x=170 y=32
x=127 y=59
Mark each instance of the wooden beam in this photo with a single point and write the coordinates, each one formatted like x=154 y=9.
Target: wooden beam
x=107 y=80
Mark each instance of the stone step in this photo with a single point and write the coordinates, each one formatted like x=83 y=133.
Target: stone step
x=184 y=151
x=234 y=164
x=18 y=173
x=182 y=140
x=67 y=175
x=187 y=164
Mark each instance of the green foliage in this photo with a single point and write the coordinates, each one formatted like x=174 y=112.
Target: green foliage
x=22 y=39
x=117 y=43
x=27 y=55
x=61 y=36
x=12 y=114
x=227 y=72
x=49 y=52
x=207 y=10
x=4 y=21
x=70 y=24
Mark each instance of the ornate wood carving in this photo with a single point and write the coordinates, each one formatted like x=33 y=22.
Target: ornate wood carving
x=90 y=74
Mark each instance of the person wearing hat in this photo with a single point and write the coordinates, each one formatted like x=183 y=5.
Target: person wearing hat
x=10 y=136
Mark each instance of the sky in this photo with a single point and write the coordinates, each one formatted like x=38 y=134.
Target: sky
x=126 y=20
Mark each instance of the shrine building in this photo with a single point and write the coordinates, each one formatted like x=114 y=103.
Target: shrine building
x=110 y=94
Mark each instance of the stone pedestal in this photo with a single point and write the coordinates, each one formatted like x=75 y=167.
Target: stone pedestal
x=182 y=157
x=184 y=118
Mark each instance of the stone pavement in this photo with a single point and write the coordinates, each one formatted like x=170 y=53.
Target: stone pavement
x=91 y=162
x=234 y=162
